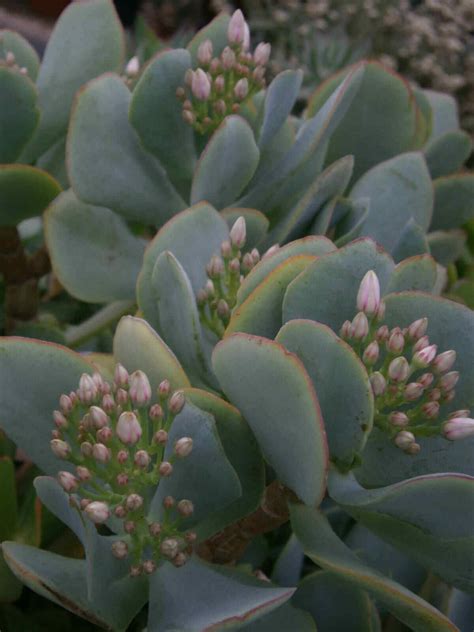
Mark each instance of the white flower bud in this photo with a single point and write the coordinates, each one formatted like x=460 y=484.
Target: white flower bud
x=83 y=473
x=142 y=459
x=404 y=439
x=149 y=567
x=417 y=329
x=121 y=375
x=176 y=403
x=458 y=428
x=169 y=547
x=133 y=67
x=128 y=428
x=185 y=507
x=444 y=361
x=360 y=326
x=425 y=356
x=378 y=383
x=161 y=437
x=165 y=469
x=448 y=381
x=183 y=446
x=120 y=549
x=241 y=89
x=99 y=417
x=204 y=52
x=396 y=341
x=133 y=502
x=238 y=233
x=371 y=353
x=398 y=419
x=65 y=404
x=236 y=31
x=68 y=481
x=201 y=86
x=60 y=448
x=413 y=391
x=97 y=511
x=398 y=369
x=140 y=389
x=368 y=296
x=88 y=390
x=262 y=53
x=101 y=453
x=164 y=388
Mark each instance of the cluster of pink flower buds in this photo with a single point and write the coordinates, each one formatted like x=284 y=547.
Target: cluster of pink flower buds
x=410 y=380
x=220 y=84
x=225 y=273
x=115 y=438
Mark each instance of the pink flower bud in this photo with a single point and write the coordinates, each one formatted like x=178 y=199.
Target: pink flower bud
x=449 y=380
x=236 y=31
x=434 y=395
x=168 y=502
x=413 y=449
x=120 y=549
x=140 y=389
x=426 y=379
x=238 y=233
x=183 y=446
x=97 y=511
x=347 y=330
x=156 y=412
x=122 y=456
x=104 y=435
x=398 y=419
x=99 y=381
x=129 y=526
x=108 y=404
x=382 y=334
x=425 y=356
x=65 y=404
x=169 y=547
x=204 y=52
x=88 y=390
x=176 y=403
x=133 y=502
x=135 y=570
x=180 y=559
x=368 y=296
x=459 y=413
x=122 y=479
x=155 y=529
x=84 y=502
x=378 y=383
x=98 y=417
x=149 y=567
x=189 y=117
x=417 y=329
x=219 y=84
x=214 y=66
x=271 y=251
x=247 y=262
x=398 y=369
x=458 y=428
x=223 y=309
x=228 y=58
x=371 y=353
x=430 y=410
x=421 y=344
x=83 y=473
x=380 y=314
x=215 y=267
x=444 y=361
x=396 y=341
x=60 y=448
x=101 y=453
x=120 y=512
x=142 y=459
x=164 y=388
x=255 y=256
x=121 y=375
x=241 y=89
x=161 y=437
x=86 y=448
x=413 y=391
x=128 y=428
x=68 y=481
x=201 y=86
x=262 y=53
x=360 y=326
x=60 y=420
x=185 y=507
x=234 y=266
x=165 y=469
x=404 y=439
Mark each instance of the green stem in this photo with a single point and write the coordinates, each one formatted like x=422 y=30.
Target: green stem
x=78 y=334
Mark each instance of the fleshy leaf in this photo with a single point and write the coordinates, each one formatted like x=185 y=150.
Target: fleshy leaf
x=216 y=31
x=24 y=192
x=93 y=31
x=312 y=294
x=425 y=517
x=107 y=164
x=450 y=326
x=282 y=619
x=444 y=111
x=25 y=54
x=322 y=545
x=138 y=346
x=416 y=273
x=412 y=242
x=193 y=236
x=205 y=477
x=453 y=201
x=226 y=164
x=18 y=112
x=399 y=189
x=280 y=98
x=216 y=597
x=33 y=375
x=261 y=312
x=447 y=153
x=446 y=246
x=156 y=115
x=93 y=253
x=266 y=382
x=289 y=564
x=341 y=382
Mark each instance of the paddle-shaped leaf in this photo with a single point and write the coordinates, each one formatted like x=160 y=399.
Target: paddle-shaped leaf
x=415 y=273
x=275 y=395
x=280 y=98
x=453 y=201
x=18 y=112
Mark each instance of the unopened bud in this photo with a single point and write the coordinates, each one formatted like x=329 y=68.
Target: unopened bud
x=129 y=526
x=121 y=397
x=210 y=289
x=142 y=459
x=176 y=403
x=236 y=28
x=449 y=380
x=214 y=66
x=140 y=389
x=417 y=329
x=161 y=437
x=135 y=570
x=120 y=549
x=459 y=413
x=185 y=507
x=121 y=376
x=183 y=446
x=396 y=341
x=426 y=379
x=223 y=309
x=120 y=512
x=68 y=481
x=434 y=395
x=188 y=77
x=168 y=502
x=86 y=448
x=398 y=419
x=60 y=420
x=10 y=58
x=371 y=353
x=156 y=412
x=190 y=537
x=234 y=266
x=108 y=404
x=60 y=448
x=247 y=262
x=226 y=249
x=133 y=502
x=164 y=388
x=204 y=52
x=201 y=86
x=241 y=89
x=84 y=502
x=220 y=107
x=215 y=267
x=430 y=410
x=421 y=343
x=83 y=473
x=404 y=439
x=380 y=313
x=122 y=479
x=65 y=404
x=122 y=456
x=98 y=416
x=238 y=233
x=398 y=369
x=458 y=428
x=165 y=468
x=347 y=330
x=133 y=67
x=97 y=511
x=155 y=529
x=180 y=559
x=444 y=361
x=378 y=383
x=413 y=391
x=169 y=547
x=368 y=296
x=360 y=326
x=88 y=390
x=128 y=428
x=101 y=453
x=382 y=334
x=262 y=54
x=149 y=567
x=228 y=58
x=413 y=449
x=188 y=117
x=425 y=356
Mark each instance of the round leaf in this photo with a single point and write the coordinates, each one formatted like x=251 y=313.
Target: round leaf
x=18 y=112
